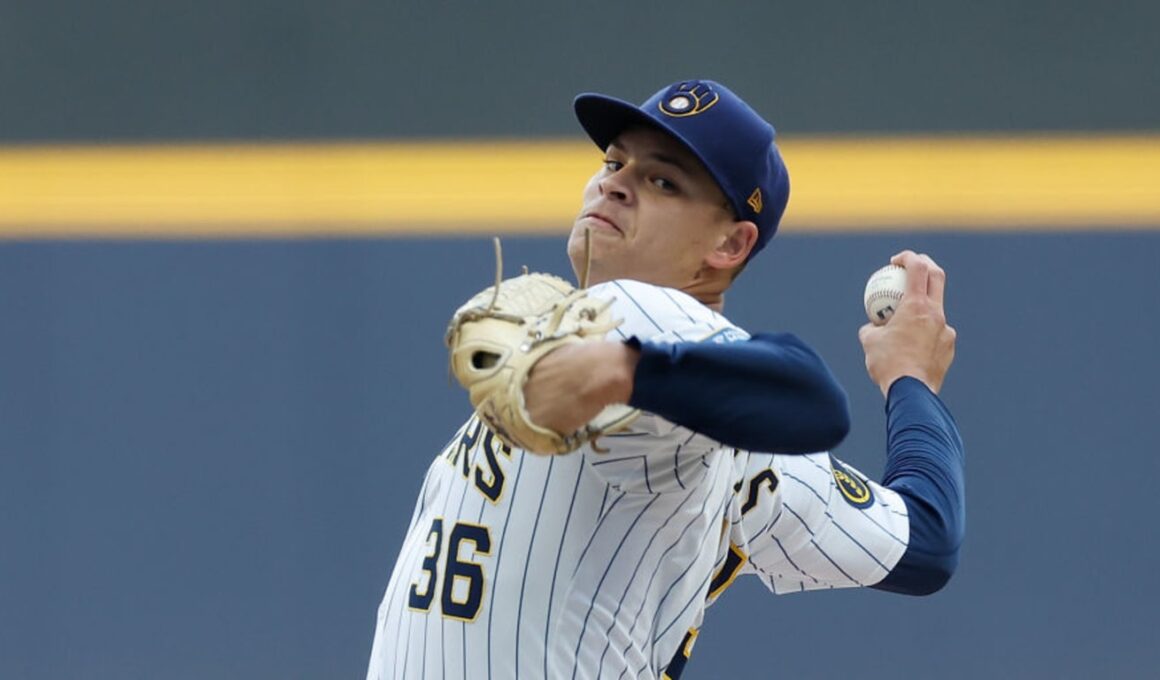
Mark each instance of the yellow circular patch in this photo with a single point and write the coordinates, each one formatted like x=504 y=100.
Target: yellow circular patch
x=853 y=488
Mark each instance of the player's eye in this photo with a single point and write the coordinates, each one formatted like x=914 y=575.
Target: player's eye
x=612 y=165
x=665 y=185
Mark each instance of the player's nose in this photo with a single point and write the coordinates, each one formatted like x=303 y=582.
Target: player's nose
x=615 y=187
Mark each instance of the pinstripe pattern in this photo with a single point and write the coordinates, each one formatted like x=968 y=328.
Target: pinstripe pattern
x=599 y=562
x=669 y=554
x=631 y=581
x=499 y=563
x=600 y=584
x=528 y=558
x=806 y=535
x=556 y=571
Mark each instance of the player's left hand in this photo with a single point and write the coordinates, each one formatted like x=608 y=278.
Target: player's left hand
x=569 y=386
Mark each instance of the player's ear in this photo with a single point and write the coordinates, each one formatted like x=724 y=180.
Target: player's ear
x=734 y=246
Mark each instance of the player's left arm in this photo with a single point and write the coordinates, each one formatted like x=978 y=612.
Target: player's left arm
x=769 y=392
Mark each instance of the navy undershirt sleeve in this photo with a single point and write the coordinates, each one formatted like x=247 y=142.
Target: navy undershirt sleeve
x=924 y=464
x=769 y=393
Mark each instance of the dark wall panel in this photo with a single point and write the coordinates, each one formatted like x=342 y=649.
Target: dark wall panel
x=138 y=70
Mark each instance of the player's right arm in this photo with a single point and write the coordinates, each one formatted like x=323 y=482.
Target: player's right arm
x=908 y=358
x=925 y=467
x=903 y=536
x=812 y=522
x=680 y=361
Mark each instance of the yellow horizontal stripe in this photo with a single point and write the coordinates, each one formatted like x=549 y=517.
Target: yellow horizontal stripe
x=534 y=187
x=989 y=182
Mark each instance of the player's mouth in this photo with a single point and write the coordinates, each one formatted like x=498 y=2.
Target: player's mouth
x=601 y=221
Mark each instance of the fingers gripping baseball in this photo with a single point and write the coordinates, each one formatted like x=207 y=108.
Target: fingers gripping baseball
x=923 y=277
x=916 y=341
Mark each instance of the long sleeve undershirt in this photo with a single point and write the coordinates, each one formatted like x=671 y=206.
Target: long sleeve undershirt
x=924 y=464
x=769 y=393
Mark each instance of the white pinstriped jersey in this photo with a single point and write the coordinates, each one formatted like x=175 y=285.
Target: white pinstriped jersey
x=804 y=523
x=822 y=524
x=598 y=564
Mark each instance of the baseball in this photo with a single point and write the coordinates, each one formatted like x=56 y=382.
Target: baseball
x=883 y=292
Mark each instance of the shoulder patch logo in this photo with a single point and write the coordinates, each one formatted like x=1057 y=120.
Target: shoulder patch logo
x=754 y=200
x=853 y=488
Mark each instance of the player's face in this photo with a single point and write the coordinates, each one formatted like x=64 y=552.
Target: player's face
x=654 y=210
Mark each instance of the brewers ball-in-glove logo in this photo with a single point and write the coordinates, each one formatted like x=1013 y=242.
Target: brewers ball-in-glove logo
x=852 y=487
x=688 y=99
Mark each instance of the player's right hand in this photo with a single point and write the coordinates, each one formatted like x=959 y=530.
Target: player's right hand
x=916 y=341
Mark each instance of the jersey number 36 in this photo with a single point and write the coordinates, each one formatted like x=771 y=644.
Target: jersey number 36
x=462 y=585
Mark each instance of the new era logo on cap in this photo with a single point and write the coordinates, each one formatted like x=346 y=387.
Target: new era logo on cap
x=735 y=144
x=754 y=200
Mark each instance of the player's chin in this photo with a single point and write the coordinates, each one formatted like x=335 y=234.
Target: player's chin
x=601 y=242
x=598 y=226
x=577 y=241
x=597 y=258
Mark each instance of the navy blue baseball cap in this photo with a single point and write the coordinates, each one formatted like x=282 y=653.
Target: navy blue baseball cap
x=732 y=140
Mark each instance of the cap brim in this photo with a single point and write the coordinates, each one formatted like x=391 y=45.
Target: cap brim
x=604 y=117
